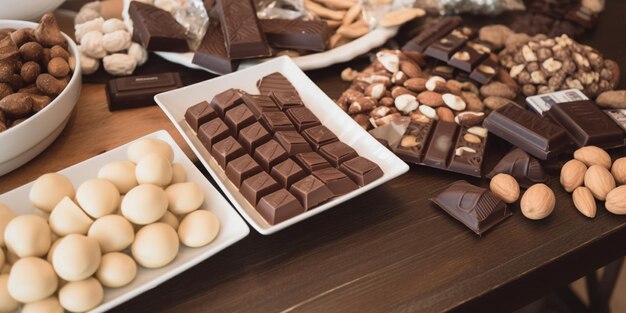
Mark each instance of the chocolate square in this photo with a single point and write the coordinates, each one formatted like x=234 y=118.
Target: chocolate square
x=286 y=99
x=211 y=132
x=270 y=154
x=238 y=118
x=310 y=191
x=241 y=168
x=259 y=104
x=338 y=183
x=361 y=170
x=226 y=151
x=444 y=48
x=199 y=114
x=311 y=161
x=287 y=172
x=302 y=118
x=337 y=153
x=279 y=206
x=226 y=100
x=275 y=121
x=467 y=58
x=252 y=136
x=292 y=141
x=258 y=186
x=318 y=136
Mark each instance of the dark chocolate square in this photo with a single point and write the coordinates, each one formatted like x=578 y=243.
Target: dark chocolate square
x=286 y=99
x=311 y=161
x=199 y=114
x=338 y=183
x=467 y=58
x=310 y=191
x=258 y=186
x=226 y=100
x=318 y=136
x=287 y=172
x=275 y=121
x=444 y=48
x=239 y=117
x=337 y=153
x=241 y=168
x=211 y=132
x=361 y=170
x=259 y=104
x=302 y=118
x=279 y=206
x=292 y=141
x=270 y=154
x=226 y=151
x=252 y=136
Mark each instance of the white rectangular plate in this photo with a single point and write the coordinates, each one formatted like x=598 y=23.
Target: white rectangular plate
x=176 y=102
x=232 y=227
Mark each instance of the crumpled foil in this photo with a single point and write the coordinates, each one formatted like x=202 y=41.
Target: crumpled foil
x=483 y=7
x=191 y=14
x=374 y=10
x=283 y=9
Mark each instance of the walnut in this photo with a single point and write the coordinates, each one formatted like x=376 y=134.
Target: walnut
x=606 y=74
x=532 y=66
x=562 y=54
x=544 y=53
x=523 y=78
x=537 y=77
x=529 y=90
x=604 y=85
x=581 y=61
x=574 y=83
x=592 y=90
x=518 y=58
x=596 y=61
x=556 y=80
x=569 y=67
x=543 y=89
x=528 y=54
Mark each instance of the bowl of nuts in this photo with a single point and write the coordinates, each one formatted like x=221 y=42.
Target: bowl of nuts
x=40 y=82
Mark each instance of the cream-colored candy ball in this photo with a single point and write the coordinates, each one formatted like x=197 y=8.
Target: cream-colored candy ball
x=170 y=219
x=184 y=197
x=156 y=245
x=28 y=235
x=154 y=169
x=98 y=197
x=32 y=279
x=51 y=251
x=121 y=174
x=76 y=257
x=6 y=215
x=146 y=146
x=47 y=305
x=178 y=174
x=113 y=233
x=81 y=296
x=198 y=228
x=7 y=303
x=144 y=204
x=68 y=218
x=49 y=189
x=116 y=270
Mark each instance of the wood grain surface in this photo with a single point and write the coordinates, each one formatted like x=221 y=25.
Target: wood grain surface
x=388 y=250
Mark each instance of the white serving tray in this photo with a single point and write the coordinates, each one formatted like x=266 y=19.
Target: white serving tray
x=232 y=227
x=174 y=103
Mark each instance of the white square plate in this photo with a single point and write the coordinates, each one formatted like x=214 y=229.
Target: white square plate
x=176 y=102
x=232 y=227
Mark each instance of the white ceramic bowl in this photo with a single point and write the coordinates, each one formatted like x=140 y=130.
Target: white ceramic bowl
x=29 y=10
x=23 y=142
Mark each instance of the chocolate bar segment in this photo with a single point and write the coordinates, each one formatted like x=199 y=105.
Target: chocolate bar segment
x=253 y=136
x=139 y=91
x=526 y=170
x=157 y=29
x=302 y=118
x=444 y=48
x=259 y=104
x=311 y=161
x=433 y=33
x=199 y=114
x=467 y=58
x=276 y=121
x=441 y=144
x=361 y=170
x=279 y=206
x=287 y=172
x=226 y=151
x=485 y=71
x=241 y=168
x=270 y=154
x=337 y=153
x=292 y=142
x=296 y=34
x=318 y=136
x=211 y=54
x=226 y=100
x=274 y=82
x=414 y=142
x=211 y=132
x=239 y=117
x=338 y=183
x=468 y=156
x=258 y=186
x=241 y=28
x=310 y=191
x=286 y=99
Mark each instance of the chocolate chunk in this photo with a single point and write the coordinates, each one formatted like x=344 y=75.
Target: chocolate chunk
x=310 y=191
x=242 y=32
x=292 y=142
x=468 y=155
x=157 y=29
x=286 y=99
x=226 y=100
x=361 y=170
x=239 y=117
x=302 y=118
x=253 y=136
x=414 y=142
x=241 y=168
x=478 y=208
x=338 y=183
x=441 y=145
x=523 y=167
x=279 y=206
x=318 y=136
x=139 y=91
x=276 y=121
x=444 y=48
x=467 y=58
x=258 y=186
x=211 y=132
x=274 y=82
x=311 y=161
x=270 y=154
x=211 y=54
x=259 y=104
x=337 y=153
x=296 y=34
x=226 y=151
x=485 y=71
x=199 y=114
x=432 y=33
x=287 y=172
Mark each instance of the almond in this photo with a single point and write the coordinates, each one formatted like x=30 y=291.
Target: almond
x=375 y=91
x=505 y=187
x=573 y=175
x=616 y=200
x=619 y=170
x=453 y=101
x=497 y=89
x=445 y=114
x=469 y=118
x=538 y=202
x=398 y=91
x=584 y=201
x=599 y=181
x=471 y=138
x=430 y=98
x=592 y=155
x=411 y=69
x=417 y=84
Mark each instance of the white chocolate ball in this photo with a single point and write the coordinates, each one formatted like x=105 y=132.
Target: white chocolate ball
x=113 y=233
x=146 y=146
x=76 y=257
x=98 y=197
x=6 y=215
x=28 y=235
x=47 y=305
x=198 y=228
x=144 y=204
x=32 y=279
x=116 y=270
x=121 y=174
x=154 y=169
x=184 y=197
x=7 y=303
x=49 y=189
x=51 y=251
x=68 y=218
x=170 y=219
x=178 y=174
x=156 y=245
x=81 y=296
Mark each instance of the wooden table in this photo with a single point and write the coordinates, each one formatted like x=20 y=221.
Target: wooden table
x=387 y=250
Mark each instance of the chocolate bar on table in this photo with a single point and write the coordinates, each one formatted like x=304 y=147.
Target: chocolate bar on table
x=242 y=32
x=139 y=91
x=296 y=34
x=157 y=29
x=444 y=48
x=433 y=33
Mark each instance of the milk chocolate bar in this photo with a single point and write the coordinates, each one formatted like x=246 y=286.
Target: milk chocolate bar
x=242 y=32
x=139 y=91
x=296 y=34
x=157 y=29
x=212 y=54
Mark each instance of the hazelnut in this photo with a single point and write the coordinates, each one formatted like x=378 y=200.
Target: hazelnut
x=529 y=90
x=59 y=52
x=31 y=51
x=532 y=66
x=29 y=72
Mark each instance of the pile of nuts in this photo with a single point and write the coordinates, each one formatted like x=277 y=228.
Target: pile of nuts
x=591 y=174
x=35 y=67
x=537 y=203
